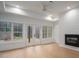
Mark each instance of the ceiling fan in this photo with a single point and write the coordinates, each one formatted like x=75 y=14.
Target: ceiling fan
x=44 y=6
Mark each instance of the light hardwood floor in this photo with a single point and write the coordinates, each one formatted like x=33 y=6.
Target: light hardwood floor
x=41 y=51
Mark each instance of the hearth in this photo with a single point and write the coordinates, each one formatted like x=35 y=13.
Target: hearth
x=72 y=40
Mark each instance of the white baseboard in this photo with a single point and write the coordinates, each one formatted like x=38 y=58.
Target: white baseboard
x=70 y=47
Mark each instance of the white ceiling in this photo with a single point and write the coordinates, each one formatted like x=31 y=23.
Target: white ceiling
x=54 y=7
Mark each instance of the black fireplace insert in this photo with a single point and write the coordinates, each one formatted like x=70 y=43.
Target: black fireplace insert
x=72 y=40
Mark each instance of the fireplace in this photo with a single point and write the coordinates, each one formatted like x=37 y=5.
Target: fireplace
x=72 y=40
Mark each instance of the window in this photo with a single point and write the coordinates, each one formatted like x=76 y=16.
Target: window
x=17 y=30
x=44 y=31
x=49 y=31
x=5 y=26
x=37 y=32
x=5 y=30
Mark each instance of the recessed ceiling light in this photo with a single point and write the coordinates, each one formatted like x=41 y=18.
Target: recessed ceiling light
x=17 y=6
x=68 y=7
x=48 y=18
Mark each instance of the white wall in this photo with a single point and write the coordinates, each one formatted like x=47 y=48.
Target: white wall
x=56 y=32
x=68 y=24
x=7 y=45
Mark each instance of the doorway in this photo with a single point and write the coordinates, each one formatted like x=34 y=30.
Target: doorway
x=33 y=35
x=29 y=33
